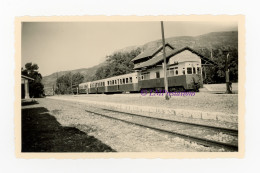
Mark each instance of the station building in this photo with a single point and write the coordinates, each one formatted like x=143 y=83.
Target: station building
x=25 y=86
x=180 y=61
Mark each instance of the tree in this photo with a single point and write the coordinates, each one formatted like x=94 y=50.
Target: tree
x=117 y=64
x=65 y=82
x=36 y=88
x=216 y=74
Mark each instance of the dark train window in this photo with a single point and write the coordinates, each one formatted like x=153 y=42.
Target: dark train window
x=126 y=80
x=198 y=70
x=115 y=81
x=183 y=71
x=189 y=70
x=157 y=74
x=120 y=81
x=176 y=72
x=123 y=81
x=107 y=82
x=130 y=80
x=194 y=70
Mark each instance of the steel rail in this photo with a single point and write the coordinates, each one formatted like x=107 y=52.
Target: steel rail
x=233 y=132
x=201 y=141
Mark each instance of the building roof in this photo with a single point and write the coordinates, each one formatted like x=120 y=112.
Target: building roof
x=169 y=54
x=150 y=52
x=26 y=77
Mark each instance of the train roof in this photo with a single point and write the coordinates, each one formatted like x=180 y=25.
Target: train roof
x=115 y=77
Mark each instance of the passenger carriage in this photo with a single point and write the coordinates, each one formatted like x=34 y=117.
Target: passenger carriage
x=117 y=84
x=184 y=72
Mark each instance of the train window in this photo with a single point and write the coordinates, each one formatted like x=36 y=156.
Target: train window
x=103 y=83
x=123 y=81
x=176 y=72
x=115 y=81
x=194 y=70
x=183 y=71
x=107 y=82
x=157 y=74
x=198 y=70
x=130 y=80
x=120 y=81
x=126 y=80
x=189 y=70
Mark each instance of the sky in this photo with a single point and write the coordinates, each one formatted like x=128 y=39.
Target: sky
x=61 y=46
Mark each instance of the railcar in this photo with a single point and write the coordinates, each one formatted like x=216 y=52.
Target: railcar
x=180 y=78
x=117 y=84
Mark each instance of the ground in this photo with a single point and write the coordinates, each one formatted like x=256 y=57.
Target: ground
x=56 y=125
x=203 y=101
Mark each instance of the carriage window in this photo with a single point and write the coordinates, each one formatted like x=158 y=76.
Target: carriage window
x=126 y=80
x=107 y=82
x=120 y=81
x=115 y=81
x=183 y=71
x=198 y=70
x=123 y=81
x=176 y=72
x=142 y=77
x=194 y=70
x=157 y=74
x=130 y=80
x=189 y=70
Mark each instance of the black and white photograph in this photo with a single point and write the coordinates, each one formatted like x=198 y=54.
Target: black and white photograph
x=163 y=85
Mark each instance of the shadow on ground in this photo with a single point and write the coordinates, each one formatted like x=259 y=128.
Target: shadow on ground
x=29 y=102
x=41 y=132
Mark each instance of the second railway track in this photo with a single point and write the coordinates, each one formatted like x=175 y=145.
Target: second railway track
x=190 y=131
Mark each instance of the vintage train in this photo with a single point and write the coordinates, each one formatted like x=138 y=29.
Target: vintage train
x=189 y=78
x=184 y=72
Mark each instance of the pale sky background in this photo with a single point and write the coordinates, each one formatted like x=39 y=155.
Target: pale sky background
x=60 y=46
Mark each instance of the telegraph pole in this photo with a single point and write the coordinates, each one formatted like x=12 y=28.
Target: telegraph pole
x=228 y=83
x=164 y=65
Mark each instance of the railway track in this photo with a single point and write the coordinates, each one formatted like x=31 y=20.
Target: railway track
x=190 y=131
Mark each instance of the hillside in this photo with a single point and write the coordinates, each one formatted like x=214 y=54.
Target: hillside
x=50 y=80
x=210 y=41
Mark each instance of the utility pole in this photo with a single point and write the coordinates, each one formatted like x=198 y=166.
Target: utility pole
x=228 y=83
x=71 y=83
x=164 y=65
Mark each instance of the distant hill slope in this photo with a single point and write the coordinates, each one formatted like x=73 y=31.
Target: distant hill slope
x=210 y=41
x=50 y=80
